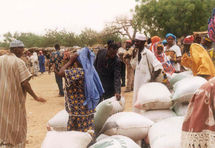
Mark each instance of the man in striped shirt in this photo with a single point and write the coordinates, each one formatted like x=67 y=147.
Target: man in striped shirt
x=14 y=77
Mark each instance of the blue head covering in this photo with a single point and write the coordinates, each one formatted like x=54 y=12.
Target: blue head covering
x=164 y=42
x=170 y=34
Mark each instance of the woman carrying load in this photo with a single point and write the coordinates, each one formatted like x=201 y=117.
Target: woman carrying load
x=173 y=52
x=82 y=90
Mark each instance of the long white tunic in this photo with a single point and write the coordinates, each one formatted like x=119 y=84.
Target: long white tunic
x=142 y=73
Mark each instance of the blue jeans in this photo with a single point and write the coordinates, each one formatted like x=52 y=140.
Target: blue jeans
x=59 y=81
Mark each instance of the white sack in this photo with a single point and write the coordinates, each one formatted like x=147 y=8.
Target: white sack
x=116 y=142
x=185 y=88
x=158 y=115
x=128 y=124
x=59 y=121
x=153 y=96
x=105 y=109
x=181 y=108
x=68 y=139
x=166 y=133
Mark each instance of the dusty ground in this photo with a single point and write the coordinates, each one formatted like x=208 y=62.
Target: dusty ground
x=39 y=114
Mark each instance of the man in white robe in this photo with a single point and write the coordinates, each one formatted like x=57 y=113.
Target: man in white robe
x=147 y=67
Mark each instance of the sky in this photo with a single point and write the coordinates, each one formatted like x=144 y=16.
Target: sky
x=74 y=15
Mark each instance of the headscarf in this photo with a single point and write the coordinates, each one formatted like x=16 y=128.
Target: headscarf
x=164 y=42
x=41 y=52
x=172 y=35
x=208 y=39
x=154 y=39
x=199 y=122
x=188 y=40
x=162 y=58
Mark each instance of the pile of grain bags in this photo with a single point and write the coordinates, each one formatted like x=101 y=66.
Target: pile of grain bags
x=166 y=133
x=105 y=109
x=58 y=122
x=155 y=99
x=183 y=92
x=68 y=139
x=129 y=124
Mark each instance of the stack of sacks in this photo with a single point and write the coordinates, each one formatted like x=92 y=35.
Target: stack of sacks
x=183 y=92
x=117 y=141
x=155 y=99
x=129 y=124
x=58 y=122
x=105 y=109
x=166 y=133
x=66 y=139
x=177 y=78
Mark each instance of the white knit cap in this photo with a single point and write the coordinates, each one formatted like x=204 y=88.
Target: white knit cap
x=16 y=43
x=140 y=37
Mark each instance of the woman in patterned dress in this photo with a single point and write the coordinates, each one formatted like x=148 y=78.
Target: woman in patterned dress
x=80 y=118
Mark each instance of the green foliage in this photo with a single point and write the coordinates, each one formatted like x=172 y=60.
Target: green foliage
x=88 y=37
x=180 y=17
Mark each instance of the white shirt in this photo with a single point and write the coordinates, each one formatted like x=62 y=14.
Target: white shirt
x=178 y=54
x=142 y=74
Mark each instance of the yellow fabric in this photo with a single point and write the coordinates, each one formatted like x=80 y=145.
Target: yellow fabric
x=212 y=55
x=186 y=61
x=201 y=63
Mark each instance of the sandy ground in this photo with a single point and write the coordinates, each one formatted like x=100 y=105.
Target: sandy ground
x=39 y=114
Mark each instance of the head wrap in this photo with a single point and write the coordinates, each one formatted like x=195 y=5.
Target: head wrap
x=41 y=52
x=208 y=39
x=164 y=42
x=154 y=39
x=16 y=43
x=128 y=41
x=140 y=37
x=188 y=40
x=172 y=35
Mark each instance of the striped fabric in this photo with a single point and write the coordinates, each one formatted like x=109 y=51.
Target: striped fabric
x=13 y=122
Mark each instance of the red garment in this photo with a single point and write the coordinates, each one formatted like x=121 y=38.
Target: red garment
x=168 y=68
x=198 y=129
x=154 y=39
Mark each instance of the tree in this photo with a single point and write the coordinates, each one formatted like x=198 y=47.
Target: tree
x=180 y=17
x=121 y=25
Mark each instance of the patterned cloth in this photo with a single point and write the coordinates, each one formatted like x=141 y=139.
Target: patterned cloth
x=198 y=130
x=212 y=54
x=80 y=118
x=56 y=58
x=13 y=122
x=168 y=68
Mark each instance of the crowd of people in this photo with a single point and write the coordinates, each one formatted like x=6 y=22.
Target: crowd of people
x=90 y=79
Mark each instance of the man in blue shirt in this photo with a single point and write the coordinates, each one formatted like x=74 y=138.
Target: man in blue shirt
x=56 y=58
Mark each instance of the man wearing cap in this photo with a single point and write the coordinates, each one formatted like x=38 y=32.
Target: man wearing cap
x=14 y=85
x=207 y=43
x=130 y=71
x=197 y=59
x=147 y=67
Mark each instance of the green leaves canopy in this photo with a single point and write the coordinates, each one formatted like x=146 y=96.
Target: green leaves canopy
x=180 y=17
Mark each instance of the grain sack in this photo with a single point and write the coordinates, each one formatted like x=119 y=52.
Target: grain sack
x=58 y=122
x=158 y=115
x=184 y=89
x=177 y=78
x=180 y=108
x=128 y=124
x=105 y=109
x=118 y=141
x=153 y=96
x=166 y=133
x=68 y=139
x=101 y=137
